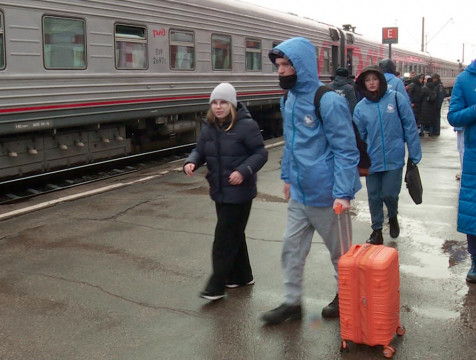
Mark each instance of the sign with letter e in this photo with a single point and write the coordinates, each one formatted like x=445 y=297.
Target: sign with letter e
x=390 y=35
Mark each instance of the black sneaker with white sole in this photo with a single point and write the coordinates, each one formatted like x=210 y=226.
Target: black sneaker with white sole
x=233 y=285
x=211 y=295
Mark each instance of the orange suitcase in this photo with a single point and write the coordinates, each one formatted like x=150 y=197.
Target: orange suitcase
x=369 y=296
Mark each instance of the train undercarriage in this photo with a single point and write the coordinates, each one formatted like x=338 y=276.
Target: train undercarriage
x=53 y=149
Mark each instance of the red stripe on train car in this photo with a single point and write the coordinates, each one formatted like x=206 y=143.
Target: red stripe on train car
x=122 y=102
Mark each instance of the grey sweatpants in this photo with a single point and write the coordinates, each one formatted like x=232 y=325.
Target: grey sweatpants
x=302 y=221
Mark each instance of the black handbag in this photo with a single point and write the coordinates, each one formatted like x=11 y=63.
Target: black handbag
x=413 y=180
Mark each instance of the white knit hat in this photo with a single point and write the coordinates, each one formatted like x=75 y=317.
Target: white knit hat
x=224 y=91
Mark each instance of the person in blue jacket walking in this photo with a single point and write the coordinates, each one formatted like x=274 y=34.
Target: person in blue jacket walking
x=393 y=82
x=462 y=112
x=319 y=170
x=385 y=121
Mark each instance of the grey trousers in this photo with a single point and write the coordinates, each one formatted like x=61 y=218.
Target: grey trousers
x=302 y=221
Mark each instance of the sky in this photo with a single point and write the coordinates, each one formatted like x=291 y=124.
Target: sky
x=448 y=25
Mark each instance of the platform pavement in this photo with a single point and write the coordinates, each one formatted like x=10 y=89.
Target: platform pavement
x=116 y=274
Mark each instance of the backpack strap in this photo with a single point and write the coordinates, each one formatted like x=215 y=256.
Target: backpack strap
x=321 y=90
x=399 y=116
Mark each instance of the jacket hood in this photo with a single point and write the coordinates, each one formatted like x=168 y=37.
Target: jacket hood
x=242 y=111
x=388 y=66
x=340 y=80
x=472 y=67
x=302 y=53
x=361 y=83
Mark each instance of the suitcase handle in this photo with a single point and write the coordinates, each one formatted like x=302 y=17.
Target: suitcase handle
x=338 y=209
x=353 y=250
x=340 y=223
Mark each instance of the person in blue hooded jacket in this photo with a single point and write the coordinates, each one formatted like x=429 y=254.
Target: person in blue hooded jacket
x=385 y=120
x=319 y=170
x=462 y=112
x=393 y=82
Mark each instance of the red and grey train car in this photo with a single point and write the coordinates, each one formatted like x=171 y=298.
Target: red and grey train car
x=88 y=80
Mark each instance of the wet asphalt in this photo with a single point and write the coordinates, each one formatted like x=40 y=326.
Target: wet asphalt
x=116 y=275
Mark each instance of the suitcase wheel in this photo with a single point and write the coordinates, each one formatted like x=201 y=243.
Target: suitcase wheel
x=401 y=330
x=388 y=351
x=344 y=347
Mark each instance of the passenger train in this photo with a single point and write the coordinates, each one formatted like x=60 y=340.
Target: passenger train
x=85 y=80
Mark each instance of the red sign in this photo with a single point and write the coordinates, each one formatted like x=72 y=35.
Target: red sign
x=390 y=35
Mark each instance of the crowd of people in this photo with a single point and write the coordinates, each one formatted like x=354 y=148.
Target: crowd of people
x=426 y=95
x=319 y=163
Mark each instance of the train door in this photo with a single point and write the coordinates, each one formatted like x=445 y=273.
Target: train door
x=335 y=58
x=349 y=60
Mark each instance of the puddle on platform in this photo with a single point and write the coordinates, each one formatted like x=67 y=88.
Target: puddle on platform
x=427 y=265
x=437 y=313
x=457 y=251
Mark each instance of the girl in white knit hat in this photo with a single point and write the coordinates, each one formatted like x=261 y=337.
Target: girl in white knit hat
x=232 y=147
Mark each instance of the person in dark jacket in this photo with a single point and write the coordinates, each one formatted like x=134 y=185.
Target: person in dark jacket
x=428 y=108
x=386 y=122
x=341 y=86
x=462 y=112
x=232 y=146
x=414 y=92
x=439 y=101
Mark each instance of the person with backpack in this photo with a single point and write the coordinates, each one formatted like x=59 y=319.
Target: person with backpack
x=343 y=88
x=385 y=120
x=428 y=107
x=319 y=170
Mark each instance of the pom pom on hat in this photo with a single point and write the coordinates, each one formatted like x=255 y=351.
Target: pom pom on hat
x=224 y=91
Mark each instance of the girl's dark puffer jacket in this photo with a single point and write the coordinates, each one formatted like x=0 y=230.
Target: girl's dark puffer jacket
x=241 y=149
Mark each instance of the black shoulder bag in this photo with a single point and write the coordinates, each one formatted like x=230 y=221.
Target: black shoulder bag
x=412 y=174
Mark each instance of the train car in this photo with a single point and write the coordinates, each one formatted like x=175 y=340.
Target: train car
x=89 y=80
x=361 y=52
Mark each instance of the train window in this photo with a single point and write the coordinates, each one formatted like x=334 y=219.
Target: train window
x=326 y=65
x=350 y=38
x=64 y=43
x=253 y=55
x=221 y=52
x=2 y=44
x=182 y=50
x=131 y=47
x=334 y=34
x=316 y=51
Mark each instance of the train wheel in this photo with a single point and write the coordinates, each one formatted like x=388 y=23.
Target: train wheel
x=344 y=347
x=388 y=351
x=401 y=330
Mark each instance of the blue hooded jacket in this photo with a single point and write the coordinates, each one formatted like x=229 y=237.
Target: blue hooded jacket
x=396 y=84
x=462 y=113
x=320 y=157
x=385 y=128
